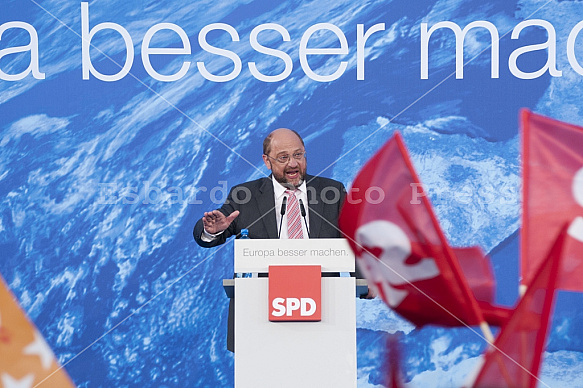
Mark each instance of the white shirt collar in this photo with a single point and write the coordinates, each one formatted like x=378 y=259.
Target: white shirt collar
x=279 y=193
x=279 y=190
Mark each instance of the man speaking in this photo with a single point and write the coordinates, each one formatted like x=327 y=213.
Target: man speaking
x=288 y=204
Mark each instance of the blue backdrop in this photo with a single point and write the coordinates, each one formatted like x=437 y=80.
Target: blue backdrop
x=102 y=181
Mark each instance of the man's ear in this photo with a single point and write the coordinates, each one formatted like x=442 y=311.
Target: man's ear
x=267 y=161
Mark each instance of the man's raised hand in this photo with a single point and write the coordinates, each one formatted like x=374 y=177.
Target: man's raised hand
x=215 y=222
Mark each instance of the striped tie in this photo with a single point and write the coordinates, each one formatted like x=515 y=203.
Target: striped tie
x=294 y=223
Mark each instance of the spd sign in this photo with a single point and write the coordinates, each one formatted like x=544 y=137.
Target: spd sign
x=295 y=293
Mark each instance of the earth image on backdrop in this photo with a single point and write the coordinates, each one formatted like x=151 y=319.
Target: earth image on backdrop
x=102 y=182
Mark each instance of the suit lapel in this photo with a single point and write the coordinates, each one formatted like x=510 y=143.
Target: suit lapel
x=266 y=205
x=315 y=206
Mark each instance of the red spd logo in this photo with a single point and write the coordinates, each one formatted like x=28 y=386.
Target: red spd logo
x=295 y=293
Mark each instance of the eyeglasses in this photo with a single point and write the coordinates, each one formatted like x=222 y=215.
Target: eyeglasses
x=283 y=159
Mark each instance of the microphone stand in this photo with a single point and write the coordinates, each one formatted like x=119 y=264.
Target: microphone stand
x=282 y=212
x=303 y=211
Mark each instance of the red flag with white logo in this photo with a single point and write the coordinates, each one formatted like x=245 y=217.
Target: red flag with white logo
x=399 y=245
x=515 y=358
x=552 y=194
x=25 y=358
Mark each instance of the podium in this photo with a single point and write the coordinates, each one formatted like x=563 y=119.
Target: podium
x=295 y=354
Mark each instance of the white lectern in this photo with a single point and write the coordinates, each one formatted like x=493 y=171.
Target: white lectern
x=295 y=354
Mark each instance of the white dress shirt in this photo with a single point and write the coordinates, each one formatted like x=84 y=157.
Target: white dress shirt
x=301 y=193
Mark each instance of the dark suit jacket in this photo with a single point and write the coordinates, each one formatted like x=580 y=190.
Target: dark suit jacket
x=256 y=203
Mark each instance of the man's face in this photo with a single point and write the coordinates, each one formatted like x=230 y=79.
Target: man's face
x=292 y=173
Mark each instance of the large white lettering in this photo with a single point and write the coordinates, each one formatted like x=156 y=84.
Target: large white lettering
x=460 y=36
x=32 y=46
x=550 y=45
x=88 y=34
x=305 y=51
x=571 y=48
x=86 y=37
x=361 y=38
x=147 y=51
x=272 y=52
x=273 y=58
x=219 y=51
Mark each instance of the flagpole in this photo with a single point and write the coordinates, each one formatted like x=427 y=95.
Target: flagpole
x=487 y=332
x=524 y=121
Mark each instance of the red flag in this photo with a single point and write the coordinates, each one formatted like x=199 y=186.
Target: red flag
x=399 y=246
x=552 y=194
x=478 y=272
x=25 y=358
x=515 y=358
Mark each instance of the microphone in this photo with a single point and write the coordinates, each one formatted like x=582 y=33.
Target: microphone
x=303 y=211
x=282 y=213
